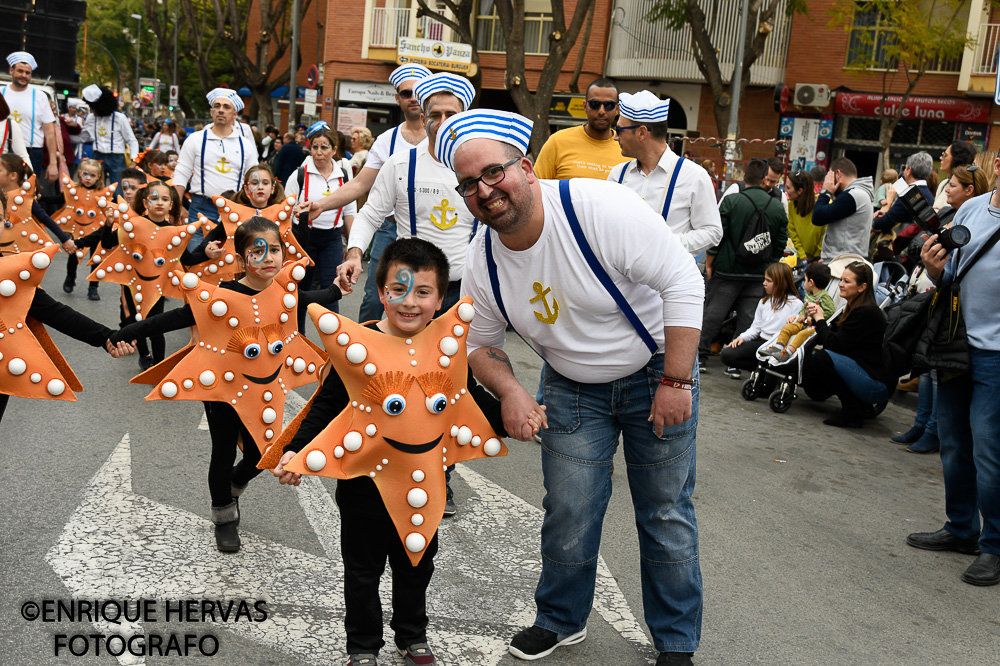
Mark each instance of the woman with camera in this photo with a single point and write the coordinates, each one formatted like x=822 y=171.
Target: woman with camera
x=968 y=409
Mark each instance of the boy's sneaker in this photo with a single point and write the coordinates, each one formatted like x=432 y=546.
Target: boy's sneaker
x=773 y=350
x=733 y=373
x=366 y=659
x=418 y=654
x=535 y=642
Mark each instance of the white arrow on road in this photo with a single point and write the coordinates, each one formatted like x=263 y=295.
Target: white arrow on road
x=119 y=545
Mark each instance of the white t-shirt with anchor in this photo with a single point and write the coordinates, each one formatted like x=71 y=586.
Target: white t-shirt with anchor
x=556 y=302
x=30 y=110
x=315 y=186
x=111 y=134
x=222 y=165
x=441 y=217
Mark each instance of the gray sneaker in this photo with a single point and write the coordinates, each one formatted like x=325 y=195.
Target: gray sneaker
x=449 y=508
x=773 y=350
x=418 y=654
x=366 y=659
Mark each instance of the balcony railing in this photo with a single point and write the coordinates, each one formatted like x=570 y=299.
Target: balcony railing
x=987 y=46
x=391 y=23
x=643 y=50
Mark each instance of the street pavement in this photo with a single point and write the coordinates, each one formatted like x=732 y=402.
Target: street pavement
x=802 y=531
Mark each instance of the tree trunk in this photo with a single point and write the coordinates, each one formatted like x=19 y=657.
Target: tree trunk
x=462 y=27
x=574 y=83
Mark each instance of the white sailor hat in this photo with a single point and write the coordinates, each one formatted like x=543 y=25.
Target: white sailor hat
x=91 y=93
x=227 y=93
x=22 y=56
x=503 y=126
x=459 y=86
x=643 y=106
x=407 y=72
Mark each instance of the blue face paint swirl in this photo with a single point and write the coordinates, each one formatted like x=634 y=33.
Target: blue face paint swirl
x=259 y=251
x=405 y=277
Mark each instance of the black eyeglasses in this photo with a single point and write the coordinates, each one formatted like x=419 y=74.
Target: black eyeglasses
x=595 y=104
x=491 y=176
x=621 y=128
x=405 y=94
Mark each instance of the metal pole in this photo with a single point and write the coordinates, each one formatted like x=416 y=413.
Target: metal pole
x=737 y=84
x=294 y=62
x=176 y=30
x=114 y=61
x=138 y=48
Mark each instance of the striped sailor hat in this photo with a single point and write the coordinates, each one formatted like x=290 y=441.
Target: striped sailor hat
x=315 y=127
x=22 y=56
x=643 y=106
x=407 y=72
x=501 y=126
x=226 y=93
x=459 y=86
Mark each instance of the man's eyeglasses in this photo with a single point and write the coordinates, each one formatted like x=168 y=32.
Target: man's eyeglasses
x=491 y=176
x=405 y=94
x=595 y=104
x=621 y=128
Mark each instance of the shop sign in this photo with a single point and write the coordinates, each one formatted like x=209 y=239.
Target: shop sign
x=367 y=92
x=451 y=56
x=568 y=105
x=932 y=108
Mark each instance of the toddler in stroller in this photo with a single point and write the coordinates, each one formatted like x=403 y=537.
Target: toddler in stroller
x=800 y=327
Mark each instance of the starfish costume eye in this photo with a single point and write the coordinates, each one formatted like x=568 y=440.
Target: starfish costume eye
x=24 y=234
x=410 y=416
x=231 y=216
x=30 y=364
x=229 y=358
x=84 y=209
x=146 y=259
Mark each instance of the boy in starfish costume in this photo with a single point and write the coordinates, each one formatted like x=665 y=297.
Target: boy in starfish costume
x=408 y=406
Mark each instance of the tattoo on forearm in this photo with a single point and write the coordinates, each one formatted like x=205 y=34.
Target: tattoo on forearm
x=498 y=355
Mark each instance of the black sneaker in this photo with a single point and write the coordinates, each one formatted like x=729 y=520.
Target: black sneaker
x=146 y=362
x=733 y=373
x=675 y=659
x=449 y=508
x=535 y=642
x=69 y=284
x=92 y=294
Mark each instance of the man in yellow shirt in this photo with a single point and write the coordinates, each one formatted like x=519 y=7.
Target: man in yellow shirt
x=585 y=151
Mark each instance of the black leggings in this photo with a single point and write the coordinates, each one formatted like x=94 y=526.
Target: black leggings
x=156 y=340
x=226 y=428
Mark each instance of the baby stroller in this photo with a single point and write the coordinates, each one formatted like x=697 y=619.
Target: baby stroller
x=779 y=379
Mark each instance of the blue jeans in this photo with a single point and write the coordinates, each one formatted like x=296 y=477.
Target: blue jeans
x=926 y=403
x=371 y=306
x=326 y=248
x=858 y=381
x=969 y=417
x=585 y=421
x=113 y=164
x=205 y=206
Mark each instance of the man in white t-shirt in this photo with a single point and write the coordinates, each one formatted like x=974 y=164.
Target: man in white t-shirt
x=30 y=110
x=214 y=159
x=397 y=140
x=611 y=300
x=676 y=188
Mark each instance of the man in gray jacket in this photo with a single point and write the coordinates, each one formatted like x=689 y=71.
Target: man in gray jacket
x=844 y=207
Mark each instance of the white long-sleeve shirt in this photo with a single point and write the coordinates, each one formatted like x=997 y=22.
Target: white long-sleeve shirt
x=440 y=217
x=767 y=321
x=693 y=214
x=111 y=134
x=209 y=164
x=557 y=303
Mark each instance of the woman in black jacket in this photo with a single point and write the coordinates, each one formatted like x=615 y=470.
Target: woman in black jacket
x=850 y=363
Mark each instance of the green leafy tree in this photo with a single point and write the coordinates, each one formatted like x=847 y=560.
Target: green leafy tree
x=677 y=14
x=907 y=38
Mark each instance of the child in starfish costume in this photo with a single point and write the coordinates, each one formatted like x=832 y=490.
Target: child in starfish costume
x=245 y=327
x=24 y=233
x=86 y=198
x=30 y=364
x=401 y=381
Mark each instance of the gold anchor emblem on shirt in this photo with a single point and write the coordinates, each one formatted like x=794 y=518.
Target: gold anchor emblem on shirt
x=17 y=116
x=454 y=137
x=221 y=167
x=551 y=314
x=101 y=131
x=444 y=222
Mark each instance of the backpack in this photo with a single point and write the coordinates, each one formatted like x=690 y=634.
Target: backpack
x=754 y=248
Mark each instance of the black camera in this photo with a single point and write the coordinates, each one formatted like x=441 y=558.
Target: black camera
x=928 y=220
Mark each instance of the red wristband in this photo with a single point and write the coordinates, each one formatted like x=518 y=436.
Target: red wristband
x=673 y=382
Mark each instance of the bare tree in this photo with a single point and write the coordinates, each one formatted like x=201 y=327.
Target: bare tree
x=464 y=13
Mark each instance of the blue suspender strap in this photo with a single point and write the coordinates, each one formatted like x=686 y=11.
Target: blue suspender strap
x=204 y=144
x=34 y=96
x=239 y=175
x=411 y=192
x=392 y=140
x=112 y=132
x=670 y=189
x=599 y=271
x=491 y=269
x=621 y=176
x=475 y=227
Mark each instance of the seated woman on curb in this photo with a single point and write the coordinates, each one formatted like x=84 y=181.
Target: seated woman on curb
x=780 y=301
x=850 y=363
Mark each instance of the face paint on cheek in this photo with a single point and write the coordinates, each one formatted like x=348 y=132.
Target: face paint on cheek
x=256 y=255
x=405 y=277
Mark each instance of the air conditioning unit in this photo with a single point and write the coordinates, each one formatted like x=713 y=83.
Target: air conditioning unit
x=812 y=94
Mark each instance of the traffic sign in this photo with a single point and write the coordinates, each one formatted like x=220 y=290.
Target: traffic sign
x=312 y=76
x=174 y=95
x=136 y=104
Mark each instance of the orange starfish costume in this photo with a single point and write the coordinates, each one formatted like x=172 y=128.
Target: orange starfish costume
x=231 y=216
x=31 y=365
x=146 y=259
x=84 y=209
x=24 y=234
x=410 y=417
x=246 y=350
